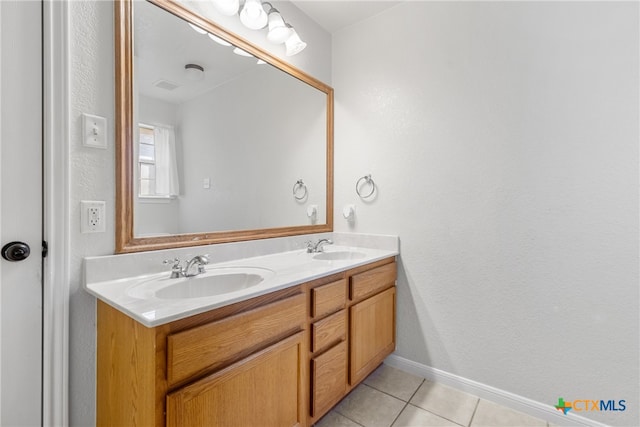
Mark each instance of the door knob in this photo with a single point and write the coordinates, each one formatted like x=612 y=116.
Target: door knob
x=15 y=251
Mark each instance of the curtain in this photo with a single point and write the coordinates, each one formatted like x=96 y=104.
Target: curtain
x=166 y=165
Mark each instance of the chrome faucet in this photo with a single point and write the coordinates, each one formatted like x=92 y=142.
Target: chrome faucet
x=200 y=261
x=318 y=246
x=177 y=270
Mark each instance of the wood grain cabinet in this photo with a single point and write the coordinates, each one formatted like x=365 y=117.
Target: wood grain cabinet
x=240 y=365
x=281 y=359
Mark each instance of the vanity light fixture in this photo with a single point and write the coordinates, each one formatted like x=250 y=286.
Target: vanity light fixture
x=294 y=44
x=227 y=7
x=279 y=32
x=253 y=15
x=194 y=72
x=218 y=40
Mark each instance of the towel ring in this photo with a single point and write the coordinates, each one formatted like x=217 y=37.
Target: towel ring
x=368 y=180
x=297 y=187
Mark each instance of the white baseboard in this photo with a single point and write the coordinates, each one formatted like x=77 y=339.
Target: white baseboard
x=518 y=403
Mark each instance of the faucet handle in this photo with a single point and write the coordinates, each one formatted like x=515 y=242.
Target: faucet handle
x=176 y=269
x=174 y=262
x=310 y=246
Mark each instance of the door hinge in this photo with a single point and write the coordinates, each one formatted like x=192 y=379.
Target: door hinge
x=45 y=248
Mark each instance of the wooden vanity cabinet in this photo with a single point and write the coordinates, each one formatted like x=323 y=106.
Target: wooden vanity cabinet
x=352 y=325
x=281 y=359
x=243 y=364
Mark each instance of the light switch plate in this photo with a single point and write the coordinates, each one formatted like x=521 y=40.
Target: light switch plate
x=94 y=131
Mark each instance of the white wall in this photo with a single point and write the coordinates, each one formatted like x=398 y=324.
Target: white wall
x=503 y=137
x=92 y=171
x=252 y=162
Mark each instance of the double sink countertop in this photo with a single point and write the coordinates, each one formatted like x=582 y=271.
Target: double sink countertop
x=153 y=298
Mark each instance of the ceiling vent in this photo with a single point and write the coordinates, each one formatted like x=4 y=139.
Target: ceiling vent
x=166 y=85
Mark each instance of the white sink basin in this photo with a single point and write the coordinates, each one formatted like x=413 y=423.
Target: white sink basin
x=339 y=255
x=215 y=281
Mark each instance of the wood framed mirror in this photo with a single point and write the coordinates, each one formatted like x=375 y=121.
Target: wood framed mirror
x=249 y=137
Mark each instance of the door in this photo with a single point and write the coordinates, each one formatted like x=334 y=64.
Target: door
x=21 y=212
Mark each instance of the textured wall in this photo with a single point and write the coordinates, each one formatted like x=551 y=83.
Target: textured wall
x=92 y=171
x=253 y=152
x=503 y=137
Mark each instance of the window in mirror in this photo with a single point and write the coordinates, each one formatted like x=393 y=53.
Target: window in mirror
x=146 y=161
x=157 y=164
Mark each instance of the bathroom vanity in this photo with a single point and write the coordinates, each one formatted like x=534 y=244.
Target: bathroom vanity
x=282 y=358
x=270 y=334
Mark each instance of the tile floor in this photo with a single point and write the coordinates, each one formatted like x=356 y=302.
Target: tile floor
x=392 y=398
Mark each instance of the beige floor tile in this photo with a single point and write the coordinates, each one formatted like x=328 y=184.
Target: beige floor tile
x=446 y=402
x=370 y=407
x=412 y=416
x=334 y=419
x=394 y=382
x=492 y=414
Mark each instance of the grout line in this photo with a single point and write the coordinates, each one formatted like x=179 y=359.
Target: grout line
x=399 y=413
x=391 y=395
x=342 y=415
x=474 y=412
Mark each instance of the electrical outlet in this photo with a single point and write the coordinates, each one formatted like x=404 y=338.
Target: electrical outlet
x=92 y=216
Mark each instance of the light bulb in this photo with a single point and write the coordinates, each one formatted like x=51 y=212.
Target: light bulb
x=227 y=7
x=253 y=15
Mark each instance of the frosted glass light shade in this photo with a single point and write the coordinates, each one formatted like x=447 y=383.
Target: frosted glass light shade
x=278 y=31
x=294 y=44
x=253 y=15
x=218 y=40
x=241 y=52
x=194 y=72
x=197 y=29
x=227 y=7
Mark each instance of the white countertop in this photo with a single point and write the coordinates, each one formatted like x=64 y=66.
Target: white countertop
x=288 y=269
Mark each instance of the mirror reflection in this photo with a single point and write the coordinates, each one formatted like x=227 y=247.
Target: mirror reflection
x=220 y=139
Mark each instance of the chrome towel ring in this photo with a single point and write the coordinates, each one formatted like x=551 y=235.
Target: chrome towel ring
x=300 y=190
x=363 y=182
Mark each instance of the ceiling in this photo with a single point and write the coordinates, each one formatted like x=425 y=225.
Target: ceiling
x=333 y=15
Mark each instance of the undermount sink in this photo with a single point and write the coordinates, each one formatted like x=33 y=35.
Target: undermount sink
x=338 y=255
x=215 y=281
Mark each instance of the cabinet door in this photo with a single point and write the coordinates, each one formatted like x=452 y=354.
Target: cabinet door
x=264 y=389
x=372 y=333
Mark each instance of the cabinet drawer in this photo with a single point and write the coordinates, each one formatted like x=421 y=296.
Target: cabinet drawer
x=220 y=343
x=372 y=281
x=329 y=377
x=328 y=330
x=328 y=298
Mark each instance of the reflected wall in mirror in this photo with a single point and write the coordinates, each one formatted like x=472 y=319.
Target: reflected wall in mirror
x=211 y=144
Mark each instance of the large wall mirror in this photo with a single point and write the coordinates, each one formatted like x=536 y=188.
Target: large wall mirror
x=214 y=146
